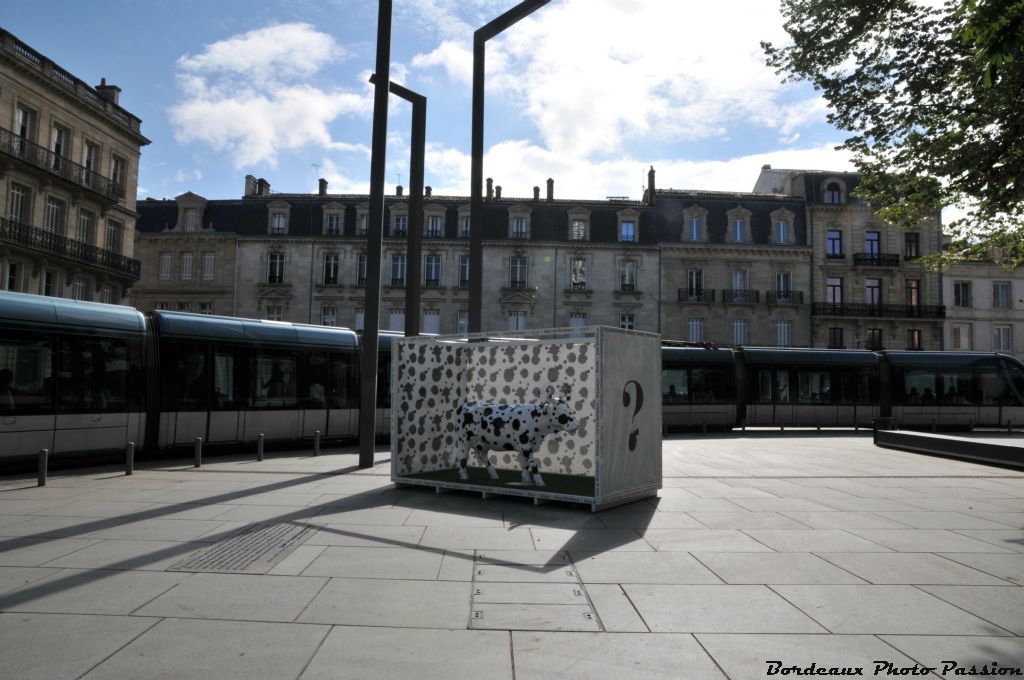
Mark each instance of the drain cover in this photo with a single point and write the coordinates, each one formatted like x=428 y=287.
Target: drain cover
x=252 y=550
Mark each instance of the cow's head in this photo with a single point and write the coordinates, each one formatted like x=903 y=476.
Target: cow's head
x=563 y=415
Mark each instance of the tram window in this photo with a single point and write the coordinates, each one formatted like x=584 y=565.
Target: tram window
x=384 y=380
x=815 y=387
x=674 y=389
x=992 y=389
x=185 y=378
x=846 y=391
x=955 y=388
x=764 y=386
x=26 y=376
x=1016 y=374
x=273 y=379
x=225 y=394
x=344 y=386
x=93 y=375
x=782 y=386
x=713 y=385
x=316 y=380
x=867 y=386
x=916 y=388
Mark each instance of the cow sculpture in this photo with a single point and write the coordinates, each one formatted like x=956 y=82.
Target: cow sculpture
x=511 y=427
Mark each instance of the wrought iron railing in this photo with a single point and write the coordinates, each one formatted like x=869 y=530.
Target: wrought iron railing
x=785 y=297
x=876 y=260
x=887 y=311
x=50 y=243
x=740 y=296
x=696 y=295
x=44 y=159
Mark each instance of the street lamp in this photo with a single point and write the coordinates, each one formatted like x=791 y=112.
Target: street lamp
x=476 y=211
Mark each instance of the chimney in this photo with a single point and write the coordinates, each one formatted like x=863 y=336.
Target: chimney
x=250 y=185
x=551 y=189
x=650 y=186
x=490 y=188
x=262 y=187
x=536 y=193
x=427 y=190
x=398 y=190
x=323 y=187
x=497 y=191
x=110 y=93
x=766 y=166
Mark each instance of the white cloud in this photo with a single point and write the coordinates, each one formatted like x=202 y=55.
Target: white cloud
x=455 y=59
x=245 y=95
x=184 y=176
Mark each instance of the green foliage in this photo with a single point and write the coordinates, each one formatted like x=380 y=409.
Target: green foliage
x=934 y=99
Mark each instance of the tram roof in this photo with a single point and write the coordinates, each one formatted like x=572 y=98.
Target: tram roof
x=208 y=327
x=813 y=357
x=704 y=355
x=32 y=311
x=940 y=359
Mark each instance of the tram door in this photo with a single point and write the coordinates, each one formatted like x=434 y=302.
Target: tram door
x=273 y=395
x=186 y=386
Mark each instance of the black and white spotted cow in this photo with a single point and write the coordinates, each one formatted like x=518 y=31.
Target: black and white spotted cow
x=511 y=427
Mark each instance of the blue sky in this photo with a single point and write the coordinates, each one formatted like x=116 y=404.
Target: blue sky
x=588 y=92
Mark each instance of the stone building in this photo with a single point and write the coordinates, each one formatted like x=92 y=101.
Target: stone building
x=69 y=162
x=689 y=265
x=984 y=308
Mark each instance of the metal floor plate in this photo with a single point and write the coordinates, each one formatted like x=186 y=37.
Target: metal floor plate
x=254 y=549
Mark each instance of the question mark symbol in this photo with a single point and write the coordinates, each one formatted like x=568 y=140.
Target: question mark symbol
x=626 y=398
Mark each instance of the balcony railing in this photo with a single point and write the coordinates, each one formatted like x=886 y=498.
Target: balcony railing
x=398 y=283
x=431 y=283
x=875 y=260
x=463 y=283
x=516 y=284
x=785 y=297
x=696 y=295
x=887 y=311
x=740 y=296
x=48 y=161
x=49 y=243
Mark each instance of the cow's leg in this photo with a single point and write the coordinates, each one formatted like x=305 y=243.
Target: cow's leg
x=461 y=456
x=486 y=459
x=532 y=463
x=526 y=466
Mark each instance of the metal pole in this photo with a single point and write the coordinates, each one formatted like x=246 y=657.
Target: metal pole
x=476 y=177
x=316 y=442
x=259 y=447
x=199 y=451
x=44 y=455
x=374 y=237
x=129 y=459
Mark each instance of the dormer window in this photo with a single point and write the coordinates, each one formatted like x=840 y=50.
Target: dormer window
x=433 y=221
x=579 y=224
x=278 y=217
x=190 y=212
x=433 y=226
x=833 y=190
x=627 y=231
x=190 y=219
x=519 y=223
x=334 y=219
x=400 y=226
x=782 y=226
x=695 y=221
x=362 y=219
x=739 y=225
x=628 y=228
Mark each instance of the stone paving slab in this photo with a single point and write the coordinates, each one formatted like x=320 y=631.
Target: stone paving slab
x=241 y=597
x=400 y=604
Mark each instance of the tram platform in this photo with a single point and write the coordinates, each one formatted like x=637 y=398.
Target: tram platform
x=766 y=553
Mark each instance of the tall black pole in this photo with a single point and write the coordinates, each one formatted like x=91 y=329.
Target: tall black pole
x=374 y=241
x=476 y=178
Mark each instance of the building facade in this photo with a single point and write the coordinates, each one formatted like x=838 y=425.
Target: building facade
x=69 y=161
x=985 y=311
x=795 y=263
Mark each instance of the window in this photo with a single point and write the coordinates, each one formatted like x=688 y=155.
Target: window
x=784 y=333
x=961 y=336
x=627 y=231
x=834 y=290
x=328 y=316
x=434 y=226
x=627 y=276
x=517 y=321
x=118 y=171
x=191 y=218
x=398 y=270
x=463 y=271
x=578 y=230
x=107 y=295
x=184 y=306
x=86 y=226
x=520 y=227
x=872 y=243
x=19 y=203
x=911 y=245
x=782 y=231
x=396 y=320
x=517 y=272
x=912 y=289
x=432 y=271
x=695 y=330
x=160 y=305
x=114 y=231
x=962 y=293
x=695 y=284
x=80 y=288
x=60 y=145
x=275 y=268
x=833 y=244
x=578 y=273
x=1002 y=338
x=913 y=338
x=739 y=332
x=696 y=229
x=50 y=279
x=627 y=321
x=431 y=321
x=14 y=276
x=278 y=223
x=208 y=266
x=165 y=266
x=27 y=362
x=1001 y=295
x=331 y=262
x=272 y=312
x=464 y=223
x=360 y=320
x=206 y=308
x=874 y=339
x=835 y=338
x=334 y=224
x=56 y=216
x=784 y=286
x=833 y=193
x=462 y=321
x=739 y=231
x=185 y=273
x=361 y=269
x=401 y=226
x=741 y=285
x=25 y=124
x=873 y=291
x=577 y=319
x=362 y=224
x=96 y=374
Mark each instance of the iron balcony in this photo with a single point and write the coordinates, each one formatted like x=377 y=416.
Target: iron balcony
x=50 y=243
x=696 y=295
x=785 y=297
x=740 y=296
x=875 y=260
x=55 y=164
x=885 y=311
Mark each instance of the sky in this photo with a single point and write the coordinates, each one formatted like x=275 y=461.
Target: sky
x=590 y=93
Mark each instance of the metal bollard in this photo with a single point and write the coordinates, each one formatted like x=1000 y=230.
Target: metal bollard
x=259 y=447
x=199 y=451
x=316 y=442
x=129 y=459
x=44 y=456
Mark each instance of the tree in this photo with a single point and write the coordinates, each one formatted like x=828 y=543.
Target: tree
x=934 y=97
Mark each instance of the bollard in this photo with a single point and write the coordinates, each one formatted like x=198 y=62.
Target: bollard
x=259 y=447
x=199 y=451
x=316 y=442
x=129 y=459
x=44 y=455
